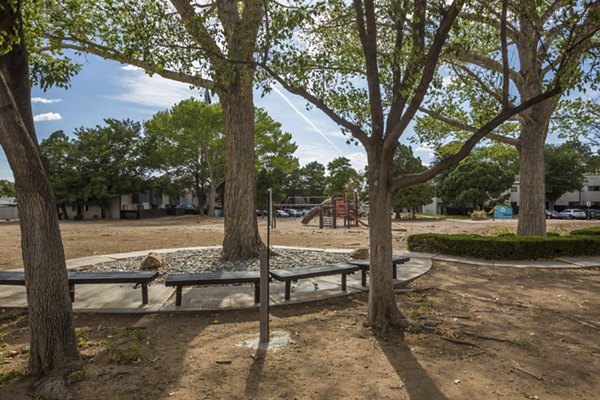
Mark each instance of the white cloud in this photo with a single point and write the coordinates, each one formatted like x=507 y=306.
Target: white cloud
x=426 y=152
x=47 y=117
x=130 y=68
x=425 y=147
x=154 y=92
x=358 y=160
x=44 y=101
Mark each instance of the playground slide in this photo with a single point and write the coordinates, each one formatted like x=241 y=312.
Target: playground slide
x=313 y=212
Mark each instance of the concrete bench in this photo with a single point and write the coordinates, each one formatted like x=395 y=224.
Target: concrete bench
x=365 y=266
x=293 y=274
x=213 y=278
x=142 y=278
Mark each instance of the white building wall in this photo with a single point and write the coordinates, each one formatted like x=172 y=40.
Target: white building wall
x=7 y=213
x=590 y=192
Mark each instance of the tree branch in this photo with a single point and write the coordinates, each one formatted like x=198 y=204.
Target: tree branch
x=464 y=151
x=505 y=67
x=484 y=86
x=198 y=31
x=468 y=128
x=111 y=54
x=398 y=99
x=367 y=32
x=429 y=67
x=356 y=131
x=487 y=63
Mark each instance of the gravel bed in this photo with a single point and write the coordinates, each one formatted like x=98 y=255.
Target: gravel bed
x=208 y=260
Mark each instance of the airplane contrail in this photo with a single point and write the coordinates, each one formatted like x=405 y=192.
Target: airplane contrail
x=306 y=119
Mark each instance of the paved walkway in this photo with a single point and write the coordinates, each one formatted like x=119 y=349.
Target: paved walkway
x=120 y=298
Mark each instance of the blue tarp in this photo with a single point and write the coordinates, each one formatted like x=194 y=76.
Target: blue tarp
x=502 y=211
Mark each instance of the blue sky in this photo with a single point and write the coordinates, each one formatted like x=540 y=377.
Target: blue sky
x=107 y=89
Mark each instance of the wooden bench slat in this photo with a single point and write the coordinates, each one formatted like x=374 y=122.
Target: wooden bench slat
x=12 y=278
x=112 y=277
x=293 y=274
x=78 y=278
x=213 y=278
x=365 y=265
x=311 y=272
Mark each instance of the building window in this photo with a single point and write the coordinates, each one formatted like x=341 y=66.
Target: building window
x=514 y=189
x=593 y=188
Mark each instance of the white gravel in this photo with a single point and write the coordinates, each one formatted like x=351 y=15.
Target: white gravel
x=207 y=260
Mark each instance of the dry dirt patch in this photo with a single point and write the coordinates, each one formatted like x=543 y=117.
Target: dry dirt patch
x=493 y=333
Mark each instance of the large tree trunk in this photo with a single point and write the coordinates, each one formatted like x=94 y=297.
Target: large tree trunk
x=242 y=240
x=532 y=195
x=383 y=310
x=53 y=347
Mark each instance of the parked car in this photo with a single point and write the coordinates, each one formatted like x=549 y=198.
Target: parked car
x=282 y=214
x=593 y=213
x=571 y=213
x=292 y=212
x=552 y=214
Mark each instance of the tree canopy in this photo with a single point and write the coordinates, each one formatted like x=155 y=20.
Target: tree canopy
x=414 y=196
x=342 y=178
x=507 y=52
x=98 y=164
x=565 y=168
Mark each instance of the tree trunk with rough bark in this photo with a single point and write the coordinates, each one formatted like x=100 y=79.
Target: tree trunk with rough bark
x=53 y=349
x=242 y=240
x=383 y=311
x=532 y=189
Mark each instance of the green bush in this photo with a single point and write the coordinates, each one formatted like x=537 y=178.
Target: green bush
x=591 y=231
x=506 y=247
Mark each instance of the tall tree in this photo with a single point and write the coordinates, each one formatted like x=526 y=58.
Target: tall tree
x=549 y=42
x=53 y=350
x=411 y=197
x=369 y=66
x=209 y=46
x=62 y=168
x=342 y=177
x=565 y=168
x=187 y=143
x=108 y=162
x=275 y=161
x=474 y=183
x=312 y=179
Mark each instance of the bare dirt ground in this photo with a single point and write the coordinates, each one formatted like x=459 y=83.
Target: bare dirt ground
x=479 y=333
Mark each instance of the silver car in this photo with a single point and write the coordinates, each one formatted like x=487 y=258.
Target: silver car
x=571 y=213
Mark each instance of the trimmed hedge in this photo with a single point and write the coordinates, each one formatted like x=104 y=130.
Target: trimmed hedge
x=506 y=247
x=592 y=231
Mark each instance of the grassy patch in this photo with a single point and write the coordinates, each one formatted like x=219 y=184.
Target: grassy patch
x=127 y=355
x=81 y=337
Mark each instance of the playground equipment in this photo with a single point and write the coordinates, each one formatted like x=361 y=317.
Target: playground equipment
x=330 y=210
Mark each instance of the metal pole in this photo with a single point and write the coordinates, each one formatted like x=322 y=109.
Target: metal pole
x=264 y=279
x=264 y=297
